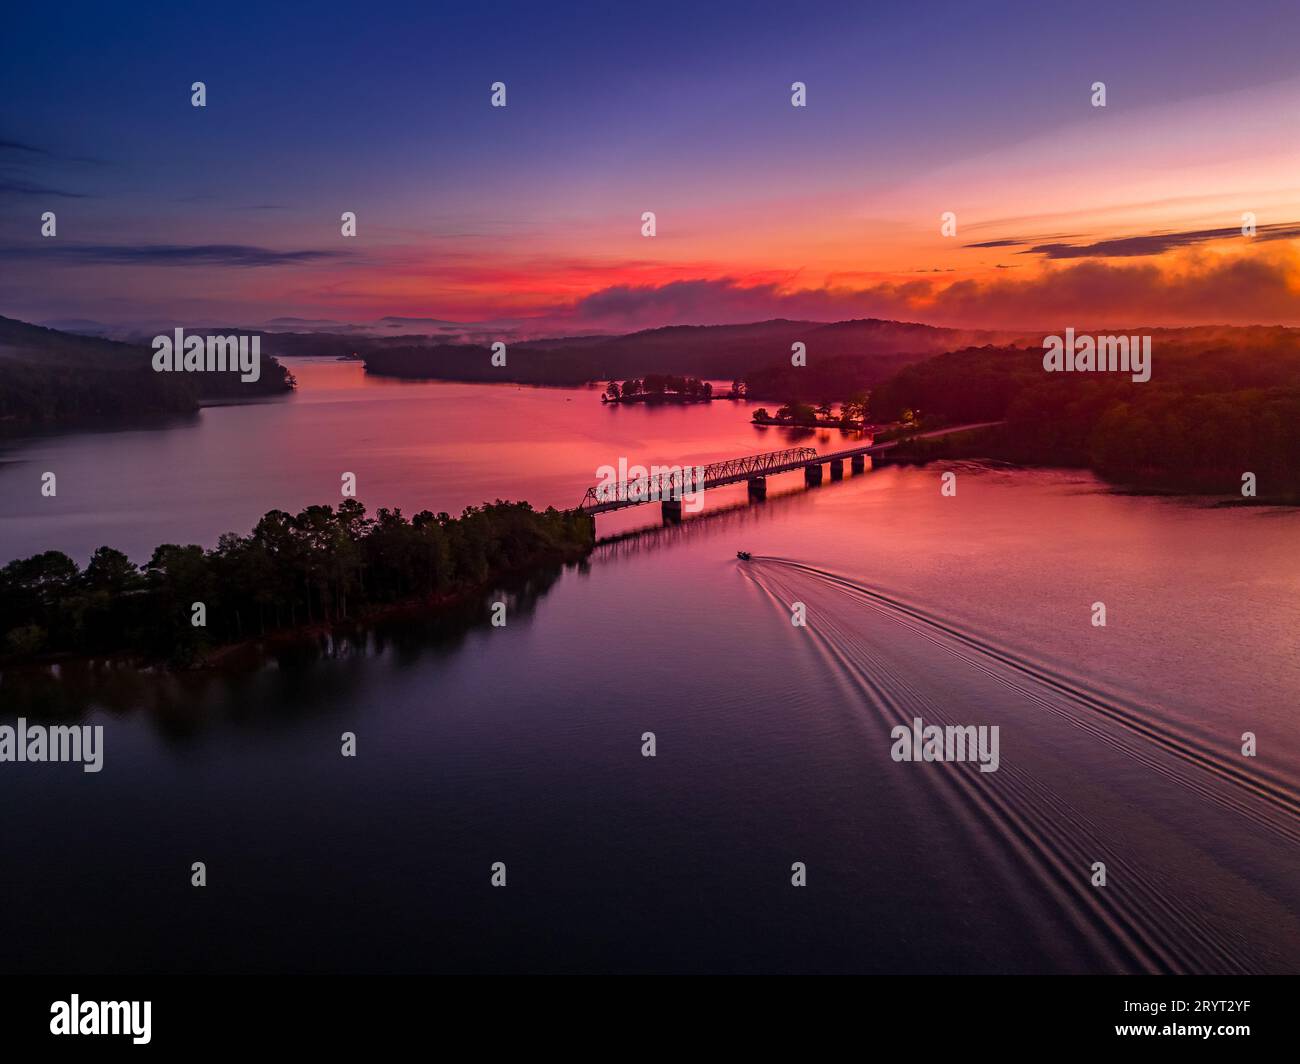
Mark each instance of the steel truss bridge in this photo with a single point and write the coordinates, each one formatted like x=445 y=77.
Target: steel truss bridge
x=668 y=484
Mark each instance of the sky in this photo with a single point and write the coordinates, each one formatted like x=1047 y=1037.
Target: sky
x=528 y=217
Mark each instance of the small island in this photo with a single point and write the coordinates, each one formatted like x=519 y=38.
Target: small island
x=656 y=388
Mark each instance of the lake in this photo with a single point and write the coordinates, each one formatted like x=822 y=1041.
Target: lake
x=1119 y=745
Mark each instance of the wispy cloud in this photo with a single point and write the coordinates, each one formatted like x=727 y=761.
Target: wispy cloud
x=26 y=170
x=21 y=150
x=18 y=146
x=16 y=186
x=175 y=254
x=1155 y=243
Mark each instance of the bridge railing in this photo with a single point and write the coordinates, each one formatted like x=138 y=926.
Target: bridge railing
x=757 y=464
x=672 y=482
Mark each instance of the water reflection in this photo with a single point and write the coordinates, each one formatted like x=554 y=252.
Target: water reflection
x=271 y=684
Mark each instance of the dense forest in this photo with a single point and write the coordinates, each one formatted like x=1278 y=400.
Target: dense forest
x=825 y=380
x=871 y=347
x=322 y=566
x=1216 y=407
x=51 y=379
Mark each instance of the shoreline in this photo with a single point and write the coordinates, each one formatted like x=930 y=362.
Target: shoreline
x=791 y=423
x=226 y=655
x=665 y=400
x=289 y=580
x=922 y=452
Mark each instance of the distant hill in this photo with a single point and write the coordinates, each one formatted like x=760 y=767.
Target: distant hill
x=759 y=351
x=81 y=326
x=53 y=379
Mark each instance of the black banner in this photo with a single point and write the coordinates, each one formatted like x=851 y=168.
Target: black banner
x=162 y=1014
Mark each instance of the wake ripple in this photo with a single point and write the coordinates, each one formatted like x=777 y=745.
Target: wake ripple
x=1154 y=930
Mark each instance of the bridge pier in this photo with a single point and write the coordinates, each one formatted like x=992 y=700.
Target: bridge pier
x=758 y=488
x=672 y=511
x=858 y=463
x=837 y=468
x=812 y=474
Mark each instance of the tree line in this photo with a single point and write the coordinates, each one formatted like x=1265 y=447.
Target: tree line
x=656 y=385
x=321 y=566
x=1211 y=412
x=853 y=412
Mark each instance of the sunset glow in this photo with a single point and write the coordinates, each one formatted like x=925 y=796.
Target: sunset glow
x=531 y=214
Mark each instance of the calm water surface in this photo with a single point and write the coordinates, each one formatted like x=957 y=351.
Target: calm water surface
x=1118 y=745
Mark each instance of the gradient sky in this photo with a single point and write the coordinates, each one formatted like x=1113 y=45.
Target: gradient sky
x=531 y=213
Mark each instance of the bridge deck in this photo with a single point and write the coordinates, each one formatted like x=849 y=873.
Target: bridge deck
x=750 y=467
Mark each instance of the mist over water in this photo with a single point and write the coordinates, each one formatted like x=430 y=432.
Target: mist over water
x=1118 y=744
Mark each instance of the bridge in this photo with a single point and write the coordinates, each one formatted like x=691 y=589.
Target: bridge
x=668 y=485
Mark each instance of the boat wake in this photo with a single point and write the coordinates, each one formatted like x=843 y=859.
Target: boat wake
x=1147 y=925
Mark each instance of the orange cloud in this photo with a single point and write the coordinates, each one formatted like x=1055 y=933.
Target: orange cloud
x=1192 y=287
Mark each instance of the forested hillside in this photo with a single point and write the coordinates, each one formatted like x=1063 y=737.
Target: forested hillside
x=1220 y=403
x=51 y=379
